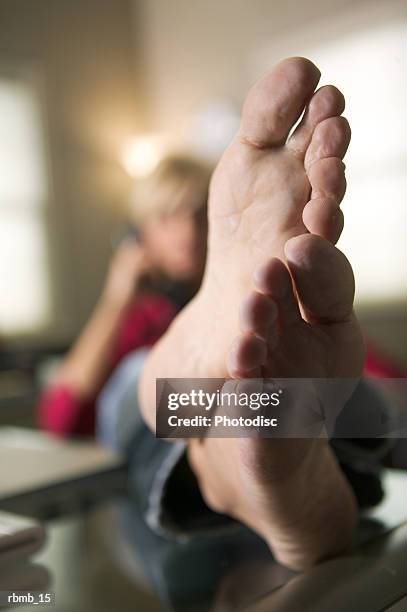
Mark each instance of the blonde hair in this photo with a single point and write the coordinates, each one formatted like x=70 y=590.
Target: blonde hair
x=178 y=184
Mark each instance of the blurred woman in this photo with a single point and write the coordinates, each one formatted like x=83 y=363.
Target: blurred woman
x=154 y=272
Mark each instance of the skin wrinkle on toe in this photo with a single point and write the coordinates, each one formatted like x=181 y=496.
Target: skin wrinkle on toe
x=331 y=138
x=326 y=102
x=319 y=159
x=327 y=178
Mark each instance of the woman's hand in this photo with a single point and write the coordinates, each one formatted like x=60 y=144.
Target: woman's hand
x=128 y=265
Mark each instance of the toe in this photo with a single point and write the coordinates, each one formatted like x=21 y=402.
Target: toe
x=274 y=279
x=246 y=356
x=330 y=139
x=327 y=102
x=323 y=278
x=275 y=103
x=327 y=178
x=258 y=314
x=321 y=215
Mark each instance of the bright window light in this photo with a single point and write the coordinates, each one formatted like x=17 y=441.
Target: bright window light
x=24 y=283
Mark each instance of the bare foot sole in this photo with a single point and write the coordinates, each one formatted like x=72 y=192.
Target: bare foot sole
x=268 y=187
x=276 y=301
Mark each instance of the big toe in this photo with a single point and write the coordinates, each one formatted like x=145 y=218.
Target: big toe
x=323 y=278
x=275 y=103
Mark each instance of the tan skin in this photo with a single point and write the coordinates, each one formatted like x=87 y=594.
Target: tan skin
x=174 y=246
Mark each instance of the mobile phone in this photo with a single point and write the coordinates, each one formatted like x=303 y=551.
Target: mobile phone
x=127 y=231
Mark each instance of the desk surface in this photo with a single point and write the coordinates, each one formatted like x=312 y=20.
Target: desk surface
x=39 y=471
x=105 y=555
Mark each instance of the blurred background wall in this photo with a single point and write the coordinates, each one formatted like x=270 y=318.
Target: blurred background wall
x=82 y=58
x=116 y=73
